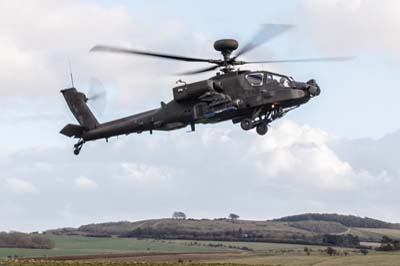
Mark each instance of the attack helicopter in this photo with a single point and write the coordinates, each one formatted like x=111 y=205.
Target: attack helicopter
x=252 y=99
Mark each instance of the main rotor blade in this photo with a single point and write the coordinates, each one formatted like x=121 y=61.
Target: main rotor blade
x=101 y=48
x=265 y=34
x=199 y=71
x=304 y=60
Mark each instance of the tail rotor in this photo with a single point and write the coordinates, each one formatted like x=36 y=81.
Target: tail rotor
x=97 y=96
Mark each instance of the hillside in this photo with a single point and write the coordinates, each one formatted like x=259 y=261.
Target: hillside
x=305 y=228
x=218 y=229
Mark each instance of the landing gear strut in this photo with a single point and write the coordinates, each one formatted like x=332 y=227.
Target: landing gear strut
x=78 y=147
x=260 y=119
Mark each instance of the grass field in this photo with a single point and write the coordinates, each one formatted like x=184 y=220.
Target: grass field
x=258 y=246
x=375 y=233
x=78 y=245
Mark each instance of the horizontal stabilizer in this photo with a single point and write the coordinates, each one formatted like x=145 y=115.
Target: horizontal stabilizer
x=71 y=130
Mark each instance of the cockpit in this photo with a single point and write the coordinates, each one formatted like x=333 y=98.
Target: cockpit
x=258 y=79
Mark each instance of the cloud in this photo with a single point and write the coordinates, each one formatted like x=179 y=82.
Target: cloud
x=145 y=174
x=38 y=38
x=302 y=156
x=85 y=183
x=352 y=25
x=288 y=134
x=20 y=186
x=210 y=135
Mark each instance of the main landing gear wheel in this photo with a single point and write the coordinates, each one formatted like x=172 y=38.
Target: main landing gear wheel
x=262 y=129
x=246 y=124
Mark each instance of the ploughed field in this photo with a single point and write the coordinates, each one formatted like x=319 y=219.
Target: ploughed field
x=281 y=260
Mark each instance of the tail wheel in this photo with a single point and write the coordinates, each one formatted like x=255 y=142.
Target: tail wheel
x=246 y=124
x=77 y=151
x=78 y=146
x=262 y=129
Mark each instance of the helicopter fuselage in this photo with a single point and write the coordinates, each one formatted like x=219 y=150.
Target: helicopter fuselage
x=254 y=97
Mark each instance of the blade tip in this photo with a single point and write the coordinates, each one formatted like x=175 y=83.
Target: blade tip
x=97 y=48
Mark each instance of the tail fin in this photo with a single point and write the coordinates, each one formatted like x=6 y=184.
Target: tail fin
x=77 y=104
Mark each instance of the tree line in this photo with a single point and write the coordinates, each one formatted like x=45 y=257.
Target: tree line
x=22 y=240
x=345 y=240
x=346 y=220
x=388 y=244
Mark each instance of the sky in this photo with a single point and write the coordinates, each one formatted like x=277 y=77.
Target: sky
x=335 y=154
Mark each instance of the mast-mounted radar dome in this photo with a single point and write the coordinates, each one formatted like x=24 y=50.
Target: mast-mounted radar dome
x=226 y=45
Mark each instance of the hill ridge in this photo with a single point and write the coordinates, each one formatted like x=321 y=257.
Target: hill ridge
x=346 y=220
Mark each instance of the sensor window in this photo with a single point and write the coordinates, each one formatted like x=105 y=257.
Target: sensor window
x=255 y=79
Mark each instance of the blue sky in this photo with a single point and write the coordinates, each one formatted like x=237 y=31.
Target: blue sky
x=312 y=154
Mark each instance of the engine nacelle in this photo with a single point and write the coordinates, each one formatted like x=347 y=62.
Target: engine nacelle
x=192 y=91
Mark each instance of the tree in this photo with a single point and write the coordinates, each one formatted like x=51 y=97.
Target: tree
x=233 y=216
x=386 y=240
x=307 y=251
x=179 y=215
x=364 y=251
x=330 y=251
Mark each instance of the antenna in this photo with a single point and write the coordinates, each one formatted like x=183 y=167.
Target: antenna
x=70 y=71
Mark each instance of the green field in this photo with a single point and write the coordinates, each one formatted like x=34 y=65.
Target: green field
x=375 y=234
x=79 y=245
x=258 y=246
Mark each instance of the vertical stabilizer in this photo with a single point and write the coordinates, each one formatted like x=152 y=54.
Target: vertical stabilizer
x=77 y=104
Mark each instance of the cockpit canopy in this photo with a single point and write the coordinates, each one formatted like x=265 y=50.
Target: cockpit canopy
x=257 y=79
